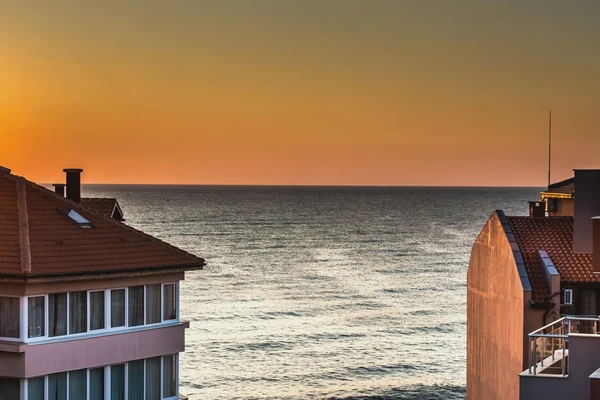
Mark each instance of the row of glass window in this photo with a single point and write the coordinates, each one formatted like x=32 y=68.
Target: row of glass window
x=60 y=314
x=147 y=379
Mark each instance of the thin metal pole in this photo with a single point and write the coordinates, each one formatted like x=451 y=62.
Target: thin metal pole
x=549 y=146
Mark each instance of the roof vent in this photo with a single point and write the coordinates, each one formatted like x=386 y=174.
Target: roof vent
x=59 y=188
x=77 y=218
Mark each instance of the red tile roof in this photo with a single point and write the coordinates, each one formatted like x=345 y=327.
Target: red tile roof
x=104 y=206
x=58 y=246
x=555 y=236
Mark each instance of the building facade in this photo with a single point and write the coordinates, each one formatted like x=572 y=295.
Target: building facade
x=526 y=272
x=89 y=307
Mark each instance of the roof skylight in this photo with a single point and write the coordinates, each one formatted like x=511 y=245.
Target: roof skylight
x=78 y=218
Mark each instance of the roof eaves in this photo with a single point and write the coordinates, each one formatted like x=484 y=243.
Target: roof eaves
x=518 y=257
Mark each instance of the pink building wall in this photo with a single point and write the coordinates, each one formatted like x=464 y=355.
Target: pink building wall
x=49 y=358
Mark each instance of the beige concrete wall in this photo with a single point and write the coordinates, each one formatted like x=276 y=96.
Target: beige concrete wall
x=495 y=317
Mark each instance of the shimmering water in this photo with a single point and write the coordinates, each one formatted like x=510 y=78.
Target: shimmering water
x=321 y=293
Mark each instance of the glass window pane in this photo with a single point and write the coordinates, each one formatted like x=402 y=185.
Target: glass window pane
x=57 y=314
x=96 y=310
x=57 y=386
x=153 y=378
x=135 y=380
x=77 y=312
x=36 y=316
x=117 y=382
x=152 y=304
x=10 y=388
x=169 y=376
x=35 y=388
x=78 y=384
x=10 y=325
x=136 y=305
x=97 y=384
x=170 y=302
x=117 y=308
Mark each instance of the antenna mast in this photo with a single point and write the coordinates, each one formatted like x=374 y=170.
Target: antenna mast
x=549 y=146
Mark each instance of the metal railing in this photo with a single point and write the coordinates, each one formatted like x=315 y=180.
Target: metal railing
x=548 y=346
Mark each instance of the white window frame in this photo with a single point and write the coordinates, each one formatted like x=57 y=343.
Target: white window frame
x=107 y=380
x=108 y=329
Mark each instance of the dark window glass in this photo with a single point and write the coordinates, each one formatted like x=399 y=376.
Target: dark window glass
x=169 y=376
x=10 y=325
x=97 y=384
x=153 y=378
x=117 y=382
x=152 y=304
x=36 y=316
x=57 y=314
x=10 y=389
x=117 y=308
x=77 y=312
x=136 y=305
x=78 y=384
x=135 y=380
x=170 y=302
x=57 y=386
x=35 y=388
x=96 y=310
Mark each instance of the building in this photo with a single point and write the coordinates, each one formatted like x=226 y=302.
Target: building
x=526 y=272
x=89 y=307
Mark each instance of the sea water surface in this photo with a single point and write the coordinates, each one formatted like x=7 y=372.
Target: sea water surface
x=321 y=292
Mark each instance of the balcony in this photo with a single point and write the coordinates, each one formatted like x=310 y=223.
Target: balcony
x=564 y=360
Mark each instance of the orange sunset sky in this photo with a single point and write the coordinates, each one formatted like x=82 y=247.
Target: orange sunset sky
x=299 y=91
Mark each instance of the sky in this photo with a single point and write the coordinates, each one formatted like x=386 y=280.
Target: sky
x=300 y=92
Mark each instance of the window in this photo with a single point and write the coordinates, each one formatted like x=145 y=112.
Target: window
x=153 y=379
x=153 y=304
x=78 y=384
x=169 y=376
x=10 y=388
x=96 y=310
x=170 y=302
x=117 y=382
x=57 y=314
x=117 y=308
x=36 y=316
x=78 y=218
x=77 y=312
x=10 y=325
x=135 y=380
x=35 y=388
x=136 y=305
x=57 y=386
x=97 y=384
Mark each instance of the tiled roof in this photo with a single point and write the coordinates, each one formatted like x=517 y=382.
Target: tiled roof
x=58 y=246
x=104 y=206
x=565 y=187
x=555 y=236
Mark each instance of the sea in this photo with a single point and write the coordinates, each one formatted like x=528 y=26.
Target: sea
x=335 y=293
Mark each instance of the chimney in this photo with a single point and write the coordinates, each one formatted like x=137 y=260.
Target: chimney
x=537 y=209
x=59 y=188
x=587 y=205
x=596 y=255
x=4 y=169
x=73 y=183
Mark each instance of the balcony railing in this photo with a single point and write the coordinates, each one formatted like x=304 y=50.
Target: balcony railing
x=549 y=345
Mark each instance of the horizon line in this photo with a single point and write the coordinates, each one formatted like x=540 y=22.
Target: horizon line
x=309 y=185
